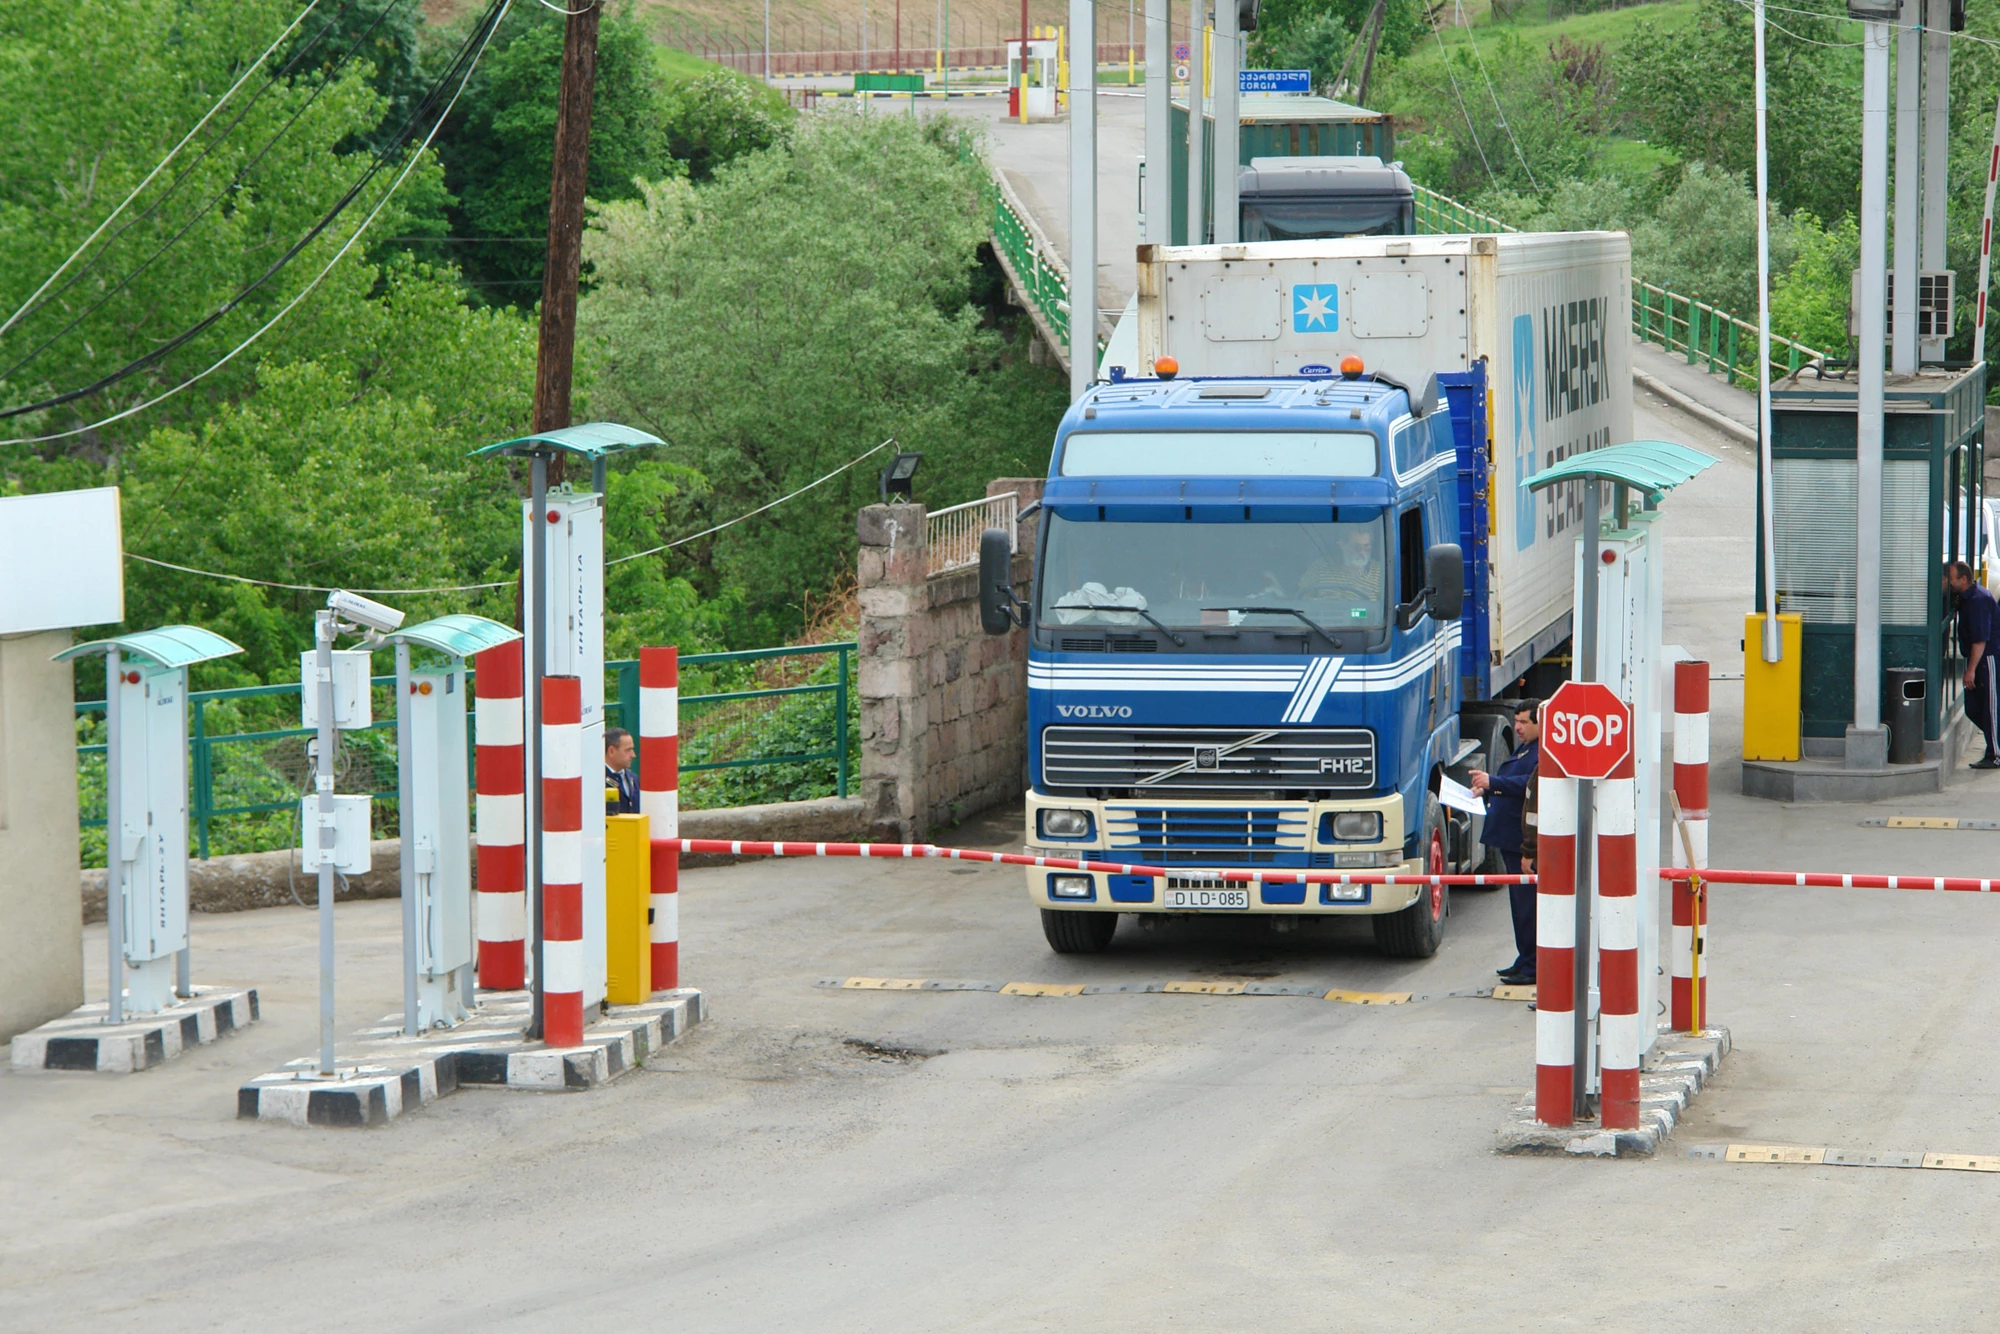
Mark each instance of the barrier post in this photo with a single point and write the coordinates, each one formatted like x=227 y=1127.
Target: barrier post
x=659 y=801
x=562 y=850
x=1618 y=948
x=1690 y=985
x=1555 y=947
x=500 y=805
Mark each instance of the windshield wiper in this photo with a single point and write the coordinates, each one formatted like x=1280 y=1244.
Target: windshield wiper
x=1113 y=606
x=1282 y=611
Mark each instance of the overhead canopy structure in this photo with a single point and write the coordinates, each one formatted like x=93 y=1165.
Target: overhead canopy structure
x=1654 y=467
x=591 y=440
x=169 y=646
x=458 y=635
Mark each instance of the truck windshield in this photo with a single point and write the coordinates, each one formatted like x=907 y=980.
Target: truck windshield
x=1314 y=219
x=1219 y=454
x=1205 y=574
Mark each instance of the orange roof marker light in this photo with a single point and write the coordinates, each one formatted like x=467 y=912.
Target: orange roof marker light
x=1166 y=368
x=1351 y=367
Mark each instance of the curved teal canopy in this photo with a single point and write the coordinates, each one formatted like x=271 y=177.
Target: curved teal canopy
x=1652 y=466
x=458 y=635
x=169 y=646
x=592 y=440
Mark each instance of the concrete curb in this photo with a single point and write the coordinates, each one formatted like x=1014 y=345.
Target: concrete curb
x=1727 y=425
x=81 y=1041
x=1681 y=1065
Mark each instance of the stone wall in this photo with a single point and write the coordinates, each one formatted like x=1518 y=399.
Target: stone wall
x=943 y=704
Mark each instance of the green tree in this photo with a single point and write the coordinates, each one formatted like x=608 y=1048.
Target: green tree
x=1703 y=241
x=1809 y=299
x=714 y=119
x=1291 y=32
x=779 y=321
x=499 y=145
x=1691 y=88
x=1540 y=120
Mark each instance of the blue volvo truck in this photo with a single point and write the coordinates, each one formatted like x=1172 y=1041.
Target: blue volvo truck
x=1270 y=611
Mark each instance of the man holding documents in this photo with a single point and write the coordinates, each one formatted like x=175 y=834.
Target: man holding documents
x=1510 y=830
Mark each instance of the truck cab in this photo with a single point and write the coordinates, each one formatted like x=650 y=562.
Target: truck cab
x=1321 y=198
x=1244 y=630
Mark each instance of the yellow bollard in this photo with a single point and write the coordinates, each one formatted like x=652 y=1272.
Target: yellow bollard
x=628 y=893
x=1771 y=702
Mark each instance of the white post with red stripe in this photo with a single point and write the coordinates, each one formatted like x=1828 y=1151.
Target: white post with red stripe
x=562 y=866
x=1986 y=245
x=1616 y=810
x=1555 y=947
x=502 y=820
x=660 y=802
x=1690 y=995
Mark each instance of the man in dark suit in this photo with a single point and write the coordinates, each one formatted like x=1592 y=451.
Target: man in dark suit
x=621 y=785
x=1509 y=829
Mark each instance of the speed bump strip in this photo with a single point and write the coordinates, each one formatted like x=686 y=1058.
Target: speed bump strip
x=1824 y=1157
x=1511 y=993
x=1929 y=822
x=1175 y=988
x=1370 y=997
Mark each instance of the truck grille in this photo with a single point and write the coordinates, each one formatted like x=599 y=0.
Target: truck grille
x=1265 y=836
x=1296 y=759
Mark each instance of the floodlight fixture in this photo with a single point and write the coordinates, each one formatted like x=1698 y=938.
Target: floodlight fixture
x=896 y=478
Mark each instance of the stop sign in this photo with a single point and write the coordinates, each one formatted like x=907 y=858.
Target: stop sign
x=1586 y=729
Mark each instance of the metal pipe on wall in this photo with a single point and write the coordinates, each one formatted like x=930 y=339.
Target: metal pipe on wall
x=1868 y=405
x=1228 y=144
x=1159 y=127
x=1082 y=196
x=1937 y=152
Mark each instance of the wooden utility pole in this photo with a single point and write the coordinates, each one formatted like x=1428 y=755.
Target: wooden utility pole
x=555 y=355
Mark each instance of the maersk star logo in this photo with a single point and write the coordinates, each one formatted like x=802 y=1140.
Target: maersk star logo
x=1315 y=308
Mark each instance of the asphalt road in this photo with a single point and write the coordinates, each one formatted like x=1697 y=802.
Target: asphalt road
x=882 y=1161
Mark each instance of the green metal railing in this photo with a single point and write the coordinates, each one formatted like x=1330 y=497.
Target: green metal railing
x=1039 y=273
x=1711 y=338
x=1441 y=215
x=263 y=770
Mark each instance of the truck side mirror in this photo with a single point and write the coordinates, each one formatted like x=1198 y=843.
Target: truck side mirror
x=999 y=610
x=1444 y=575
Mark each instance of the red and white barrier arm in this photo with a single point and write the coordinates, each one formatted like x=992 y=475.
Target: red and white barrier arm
x=1835 y=880
x=731 y=848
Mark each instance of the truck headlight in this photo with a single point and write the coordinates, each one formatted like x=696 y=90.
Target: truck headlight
x=1351 y=827
x=1070 y=886
x=1065 y=824
x=1347 y=893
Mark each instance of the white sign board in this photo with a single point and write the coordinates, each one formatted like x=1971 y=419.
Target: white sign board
x=62 y=561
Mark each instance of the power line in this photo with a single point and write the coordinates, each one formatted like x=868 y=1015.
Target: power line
x=1445 y=58
x=683 y=541
x=483 y=33
x=206 y=117
x=1497 y=110
x=495 y=14
x=506 y=583
x=203 y=210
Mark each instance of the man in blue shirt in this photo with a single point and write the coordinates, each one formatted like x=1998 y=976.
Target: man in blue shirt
x=1978 y=618
x=1509 y=829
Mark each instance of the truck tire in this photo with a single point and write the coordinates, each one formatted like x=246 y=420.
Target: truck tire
x=1072 y=932
x=1415 y=932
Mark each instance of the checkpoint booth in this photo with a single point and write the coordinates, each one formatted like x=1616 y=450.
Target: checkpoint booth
x=1035 y=79
x=146 y=809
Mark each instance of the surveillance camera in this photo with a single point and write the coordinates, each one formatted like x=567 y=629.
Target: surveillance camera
x=364 y=612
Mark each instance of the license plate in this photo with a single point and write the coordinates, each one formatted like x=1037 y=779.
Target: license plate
x=1206 y=898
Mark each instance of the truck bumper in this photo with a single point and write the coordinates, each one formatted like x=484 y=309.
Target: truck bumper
x=1190 y=886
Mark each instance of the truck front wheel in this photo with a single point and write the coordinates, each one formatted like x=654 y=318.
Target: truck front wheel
x=1415 y=932
x=1078 y=932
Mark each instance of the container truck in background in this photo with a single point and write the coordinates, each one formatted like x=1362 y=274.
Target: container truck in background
x=1286 y=578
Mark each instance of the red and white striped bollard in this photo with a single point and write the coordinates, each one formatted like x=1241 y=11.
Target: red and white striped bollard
x=562 y=861
x=660 y=802
x=1555 y=946
x=501 y=819
x=1617 y=830
x=1690 y=999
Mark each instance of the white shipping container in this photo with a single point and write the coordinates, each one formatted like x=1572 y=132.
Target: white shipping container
x=1549 y=312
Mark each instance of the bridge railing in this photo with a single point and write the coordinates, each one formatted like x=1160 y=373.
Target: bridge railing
x=1037 y=270
x=1714 y=339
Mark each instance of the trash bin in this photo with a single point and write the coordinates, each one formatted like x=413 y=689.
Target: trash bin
x=1903 y=709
